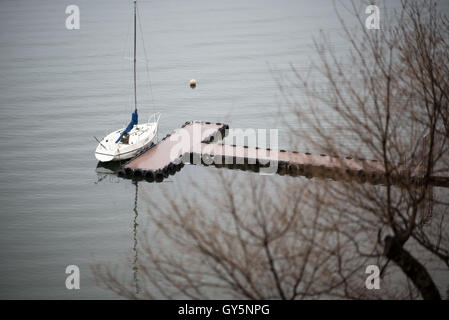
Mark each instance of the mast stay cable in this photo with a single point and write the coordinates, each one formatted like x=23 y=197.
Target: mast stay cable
x=147 y=66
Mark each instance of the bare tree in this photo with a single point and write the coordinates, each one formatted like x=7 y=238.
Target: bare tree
x=389 y=102
x=246 y=238
x=263 y=238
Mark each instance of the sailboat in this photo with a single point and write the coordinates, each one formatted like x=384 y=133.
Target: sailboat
x=125 y=143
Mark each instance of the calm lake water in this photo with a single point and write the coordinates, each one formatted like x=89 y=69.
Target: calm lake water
x=59 y=88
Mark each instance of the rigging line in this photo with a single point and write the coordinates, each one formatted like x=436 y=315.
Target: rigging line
x=147 y=67
x=125 y=45
x=135 y=82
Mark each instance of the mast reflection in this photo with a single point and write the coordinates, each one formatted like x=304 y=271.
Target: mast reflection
x=136 y=256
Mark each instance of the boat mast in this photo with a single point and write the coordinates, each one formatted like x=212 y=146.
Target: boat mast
x=135 y=89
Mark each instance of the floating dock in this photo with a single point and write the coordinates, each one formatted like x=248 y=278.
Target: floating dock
x=196 y=143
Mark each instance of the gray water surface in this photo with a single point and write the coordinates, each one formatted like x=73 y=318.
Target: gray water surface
x=59 y=88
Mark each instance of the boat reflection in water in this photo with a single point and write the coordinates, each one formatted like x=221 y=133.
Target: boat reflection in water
x=106 y=170
x=135 y=244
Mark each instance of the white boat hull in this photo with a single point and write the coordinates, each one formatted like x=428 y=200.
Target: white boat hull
x=140 y=137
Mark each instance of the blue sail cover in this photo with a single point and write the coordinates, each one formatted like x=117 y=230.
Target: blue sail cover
x=134 y=121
